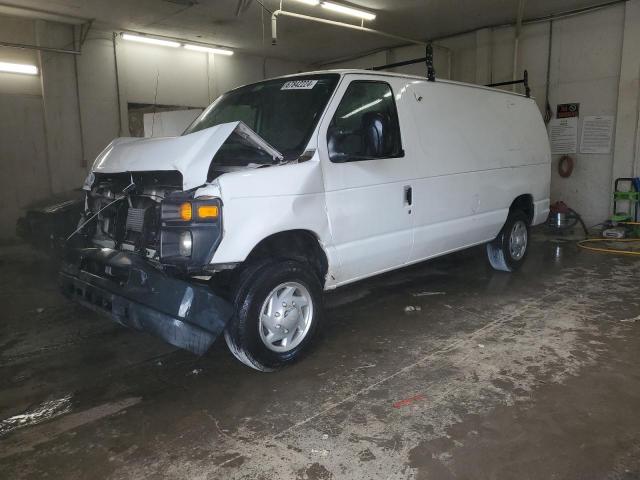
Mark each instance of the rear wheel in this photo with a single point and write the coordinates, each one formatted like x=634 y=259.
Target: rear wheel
x=278 y=313
x=509 y=250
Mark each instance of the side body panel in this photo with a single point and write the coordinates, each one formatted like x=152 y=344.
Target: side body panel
x=469 y=152
x=477 y=150
x=261 y=202
x=369 y=218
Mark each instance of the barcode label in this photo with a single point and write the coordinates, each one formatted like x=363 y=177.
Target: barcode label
x=299 y=85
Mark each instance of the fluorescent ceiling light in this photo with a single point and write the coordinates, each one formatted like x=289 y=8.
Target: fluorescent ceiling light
x=309 y=2
x=153 y=41
x=354 y=12
x=18 y=68
x=200 y=48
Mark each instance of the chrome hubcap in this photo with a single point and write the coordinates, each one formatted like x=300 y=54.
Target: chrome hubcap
x=518 y=240
x=285 y=317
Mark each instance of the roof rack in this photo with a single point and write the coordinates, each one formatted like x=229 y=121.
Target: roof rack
x=524 y=80
x=428 y=59
x=431 y=72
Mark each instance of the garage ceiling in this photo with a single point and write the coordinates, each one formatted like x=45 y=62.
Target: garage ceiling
x=217 y=22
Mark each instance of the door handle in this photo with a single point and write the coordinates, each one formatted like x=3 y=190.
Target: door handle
x=408 y=195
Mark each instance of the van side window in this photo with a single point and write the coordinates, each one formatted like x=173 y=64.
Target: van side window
x=365 y=125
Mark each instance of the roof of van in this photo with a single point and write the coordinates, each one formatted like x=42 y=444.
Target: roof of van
x=344 y=71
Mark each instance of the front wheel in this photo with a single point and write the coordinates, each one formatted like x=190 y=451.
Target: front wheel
x=508 y=251
x=278 y=313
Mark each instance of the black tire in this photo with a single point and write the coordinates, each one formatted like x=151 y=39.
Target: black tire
x=252 y=288
x=499 y=251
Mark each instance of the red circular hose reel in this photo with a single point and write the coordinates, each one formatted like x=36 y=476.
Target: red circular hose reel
x=565 y=166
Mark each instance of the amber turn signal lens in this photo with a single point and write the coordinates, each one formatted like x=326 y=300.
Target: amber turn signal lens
x=208 y=211
x=185 y=212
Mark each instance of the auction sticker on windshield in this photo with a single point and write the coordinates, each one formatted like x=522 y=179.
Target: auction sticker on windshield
x=299 y=85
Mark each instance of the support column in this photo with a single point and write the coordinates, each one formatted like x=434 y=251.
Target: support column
x=483 y=56
x=123 y=106
x=212 y=84
x=61 y=111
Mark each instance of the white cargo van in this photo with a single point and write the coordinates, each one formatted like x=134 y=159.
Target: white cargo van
x=291 y=186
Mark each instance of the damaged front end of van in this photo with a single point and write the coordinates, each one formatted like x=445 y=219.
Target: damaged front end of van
x=146 y=239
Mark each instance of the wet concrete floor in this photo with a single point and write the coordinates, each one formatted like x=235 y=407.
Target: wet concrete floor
x=487 y=375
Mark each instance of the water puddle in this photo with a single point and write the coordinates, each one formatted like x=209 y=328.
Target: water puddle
x=43 y=412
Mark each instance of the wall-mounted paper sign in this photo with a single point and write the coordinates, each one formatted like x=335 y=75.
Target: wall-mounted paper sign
x=596 y=134
x=563 y=135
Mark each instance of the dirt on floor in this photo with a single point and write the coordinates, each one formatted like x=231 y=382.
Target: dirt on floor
x=443 y=370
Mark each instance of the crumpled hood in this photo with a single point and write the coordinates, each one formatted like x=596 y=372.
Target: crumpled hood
x=190 y=154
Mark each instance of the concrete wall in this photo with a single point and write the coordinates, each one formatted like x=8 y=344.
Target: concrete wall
x=23 y=157
x=186 y=78
x=23 y=152
x=585 y=68
x=627 y=146
x=18 y=30
x=53 y=125
x=587 y=58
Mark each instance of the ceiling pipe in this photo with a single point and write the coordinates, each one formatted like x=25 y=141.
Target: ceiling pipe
x=46 y=15
x=39 y=48
x=277 y=13
x=41 y=14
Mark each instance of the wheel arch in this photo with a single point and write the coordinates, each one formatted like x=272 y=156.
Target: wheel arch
x=524 y=203
x=299 y=244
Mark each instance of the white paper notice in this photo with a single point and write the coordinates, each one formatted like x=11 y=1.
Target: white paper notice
x=563 y=135
x=596 y=134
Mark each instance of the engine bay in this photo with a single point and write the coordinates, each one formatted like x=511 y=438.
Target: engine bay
x=127 y=207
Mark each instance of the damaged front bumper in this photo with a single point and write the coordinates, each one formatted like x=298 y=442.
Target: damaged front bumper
x=140 y=296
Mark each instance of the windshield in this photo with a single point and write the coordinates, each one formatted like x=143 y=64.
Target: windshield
x=284 y=111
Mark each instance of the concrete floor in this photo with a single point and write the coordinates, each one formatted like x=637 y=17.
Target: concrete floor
x=531 y=375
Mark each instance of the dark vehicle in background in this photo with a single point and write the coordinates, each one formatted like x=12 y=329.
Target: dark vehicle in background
x=47 y=223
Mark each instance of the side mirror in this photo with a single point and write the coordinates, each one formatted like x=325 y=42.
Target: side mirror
x=335 y=143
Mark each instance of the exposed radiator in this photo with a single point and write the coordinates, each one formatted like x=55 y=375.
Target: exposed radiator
x=135 y=219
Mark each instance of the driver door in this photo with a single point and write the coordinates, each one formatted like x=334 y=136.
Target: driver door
x=366 y=176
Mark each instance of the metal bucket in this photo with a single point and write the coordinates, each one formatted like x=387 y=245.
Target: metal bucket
x=557 y=219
